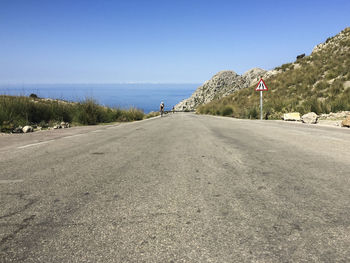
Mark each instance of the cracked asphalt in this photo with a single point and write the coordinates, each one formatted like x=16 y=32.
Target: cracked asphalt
x=182 y=188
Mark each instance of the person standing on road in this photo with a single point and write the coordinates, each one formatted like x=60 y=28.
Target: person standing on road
x=161 y=109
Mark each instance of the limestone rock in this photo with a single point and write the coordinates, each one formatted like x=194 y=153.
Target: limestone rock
x=27 y=129
x=292 y=116
x=18 y=129
x=346 y=122
x=310 y=118
x=332 y=41
x=335 y=115
x=220 y=85
x=64 y=124
x=253 y=75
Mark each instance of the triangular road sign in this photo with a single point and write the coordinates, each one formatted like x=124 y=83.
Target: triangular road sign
x=261 y=86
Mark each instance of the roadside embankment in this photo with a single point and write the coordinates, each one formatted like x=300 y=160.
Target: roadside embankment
x=340 y=119
x=17 y=112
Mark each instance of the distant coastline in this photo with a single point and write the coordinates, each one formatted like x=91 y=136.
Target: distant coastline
x=144 y=96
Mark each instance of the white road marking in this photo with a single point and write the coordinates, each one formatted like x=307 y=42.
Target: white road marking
x=11 y=181
x=71 y=136
x=44 y=142
x=33 y=144
x=98 y=131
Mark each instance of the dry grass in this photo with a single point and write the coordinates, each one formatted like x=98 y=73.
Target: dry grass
x=316 y=84
x=20 y=110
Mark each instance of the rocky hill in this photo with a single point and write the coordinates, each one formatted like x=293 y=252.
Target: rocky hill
x=221 y=85
x=319 y=83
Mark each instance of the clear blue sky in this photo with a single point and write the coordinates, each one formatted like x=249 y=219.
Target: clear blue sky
x=101 y=41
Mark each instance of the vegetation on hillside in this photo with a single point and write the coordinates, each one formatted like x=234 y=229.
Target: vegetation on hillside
x=319 y=83
x=152 y=114
x=20 y=111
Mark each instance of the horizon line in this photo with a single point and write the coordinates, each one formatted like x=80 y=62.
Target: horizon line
x=93 y=83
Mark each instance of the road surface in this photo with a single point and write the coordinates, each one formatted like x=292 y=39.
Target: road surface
x=182 y=188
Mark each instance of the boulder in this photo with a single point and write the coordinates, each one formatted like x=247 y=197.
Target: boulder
x=335 y=115
x=346 y=122
x=57 y=126
x=301 y=56
x=292 y=116
x=27 y=129
x=310 y=118
x=65 y=124
x=18 y=129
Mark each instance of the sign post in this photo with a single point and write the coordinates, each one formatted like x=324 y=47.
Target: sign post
x=261 y=87
x=261 y=105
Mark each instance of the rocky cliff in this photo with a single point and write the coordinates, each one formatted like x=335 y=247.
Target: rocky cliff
x=221 y=85
x=338 y=43
x=325 y=71
x=318 y=83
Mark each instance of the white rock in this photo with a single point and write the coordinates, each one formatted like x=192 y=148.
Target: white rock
x=310 y=118
x=292 y=116
x=19 y=129
x=335 y=115
x=27 y=128
x=346 y=122
x=65 y=124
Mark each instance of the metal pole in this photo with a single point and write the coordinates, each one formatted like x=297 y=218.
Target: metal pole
x=261 y=106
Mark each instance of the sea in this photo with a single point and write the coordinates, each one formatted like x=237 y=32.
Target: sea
x=146 y=97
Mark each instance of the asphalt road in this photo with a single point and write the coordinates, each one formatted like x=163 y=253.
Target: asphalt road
x=182 y=188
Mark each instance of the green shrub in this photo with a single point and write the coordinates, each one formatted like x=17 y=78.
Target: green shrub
x=339 y=105
x=336 y=88
x=227 y=111
x=33 y=95
x=132 y=114
x=15 y=111
x=342 y=102
x=253 y=113
x=152 y=114
x=322 y=85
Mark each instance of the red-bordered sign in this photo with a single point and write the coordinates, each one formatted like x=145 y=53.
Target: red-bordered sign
x=261 y=86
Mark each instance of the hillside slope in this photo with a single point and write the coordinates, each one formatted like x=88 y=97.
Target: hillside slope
x=220 y=85
x=319 y=83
